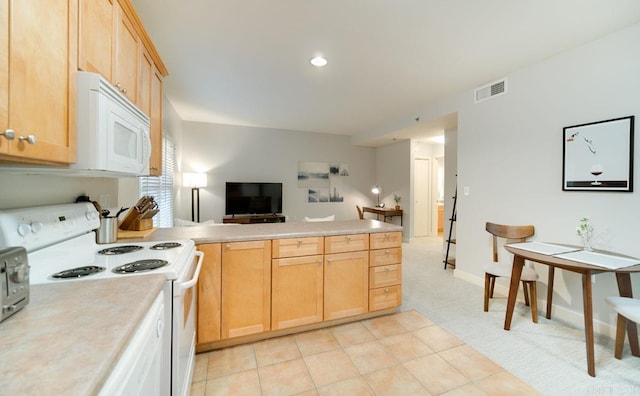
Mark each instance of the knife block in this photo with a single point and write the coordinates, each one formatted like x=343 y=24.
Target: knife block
x=133 y=222
x=141 y=224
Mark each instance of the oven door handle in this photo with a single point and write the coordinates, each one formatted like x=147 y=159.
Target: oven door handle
x=189 y=284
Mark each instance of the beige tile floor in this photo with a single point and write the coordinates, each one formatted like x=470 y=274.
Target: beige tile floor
x=400 y=354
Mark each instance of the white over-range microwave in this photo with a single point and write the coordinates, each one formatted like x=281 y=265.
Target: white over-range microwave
x=113 y=134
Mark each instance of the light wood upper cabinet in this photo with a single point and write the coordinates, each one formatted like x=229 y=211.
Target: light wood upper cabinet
x=126 y=54
x=155 y=162
x=4 y=74
x=95 y=37
x=38 y=56
x=246 y=288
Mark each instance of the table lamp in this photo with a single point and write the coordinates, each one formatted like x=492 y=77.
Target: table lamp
x=195 y=181
x=376 y=190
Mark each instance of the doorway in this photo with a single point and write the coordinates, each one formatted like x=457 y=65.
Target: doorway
x=422 y=194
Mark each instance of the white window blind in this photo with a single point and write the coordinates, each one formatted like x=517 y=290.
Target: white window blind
x=161 y=187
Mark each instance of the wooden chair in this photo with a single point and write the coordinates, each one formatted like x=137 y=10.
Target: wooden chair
x=496 y=269
x=627 y=309
x=360 y=213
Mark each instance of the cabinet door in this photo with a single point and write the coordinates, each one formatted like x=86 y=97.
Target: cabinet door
x=384 y=240
x=209 y=293
x=346 y=243
x=346 y=284
x=4 y=74
x=155 y=162
x=96 y=36
x=39 y=103
x=297 y=290
x=126 y=56
x=246 y=288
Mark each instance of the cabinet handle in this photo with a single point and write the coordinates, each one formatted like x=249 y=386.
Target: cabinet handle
x=328 y=261
x=387 y=252
x=387 y=269
x=349 y=238
x=387 y=235
x=31 y=139
x=227 y=246
x=9 y=134
x=299 y=242
x=386 y=290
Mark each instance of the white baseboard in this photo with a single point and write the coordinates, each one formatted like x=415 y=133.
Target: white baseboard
x=563 y=314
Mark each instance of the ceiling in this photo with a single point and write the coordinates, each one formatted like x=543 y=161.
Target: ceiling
x=246 y=62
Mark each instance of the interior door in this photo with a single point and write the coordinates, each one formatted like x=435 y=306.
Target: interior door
x=422 y=204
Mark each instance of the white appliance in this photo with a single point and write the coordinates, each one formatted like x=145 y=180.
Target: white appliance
x=60 y=243
x=113 y=134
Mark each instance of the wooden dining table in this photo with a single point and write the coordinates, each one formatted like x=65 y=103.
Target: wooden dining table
x=623 y=278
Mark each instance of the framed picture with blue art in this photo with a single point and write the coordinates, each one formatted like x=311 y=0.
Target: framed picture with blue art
x=598 y=156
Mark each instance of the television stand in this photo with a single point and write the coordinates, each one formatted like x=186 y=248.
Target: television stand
x=253 y=218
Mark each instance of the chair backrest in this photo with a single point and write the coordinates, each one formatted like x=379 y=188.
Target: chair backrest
x=516 y=232
x=360 y=213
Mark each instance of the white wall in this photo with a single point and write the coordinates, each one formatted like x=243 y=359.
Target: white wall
x=234 y=153
x=510 y=157
x=393 y=174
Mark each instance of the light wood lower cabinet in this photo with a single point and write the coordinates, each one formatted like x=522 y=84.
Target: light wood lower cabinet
x=209 y=293
x=297 y=291
x=385 y=272
x=259 y=288
x=346 y=284
x=246 y=288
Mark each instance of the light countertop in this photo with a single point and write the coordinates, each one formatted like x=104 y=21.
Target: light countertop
x=263 y=231
x=69 y=337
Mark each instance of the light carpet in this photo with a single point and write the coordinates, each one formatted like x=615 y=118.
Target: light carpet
x=549 y=355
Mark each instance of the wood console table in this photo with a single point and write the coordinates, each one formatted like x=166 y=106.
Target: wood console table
x=386 y=213
x=253 y=219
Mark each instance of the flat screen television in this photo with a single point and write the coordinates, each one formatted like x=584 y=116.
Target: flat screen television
x=253 y=198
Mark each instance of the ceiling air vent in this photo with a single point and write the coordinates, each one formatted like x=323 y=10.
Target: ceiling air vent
x=490 y=90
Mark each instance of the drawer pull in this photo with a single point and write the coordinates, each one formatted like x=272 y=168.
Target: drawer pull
x=228 y=246
x=387 y=269
x=349 y=238
x=386 y=290
x=299 y=242
x=387 y=235
x=387 y=252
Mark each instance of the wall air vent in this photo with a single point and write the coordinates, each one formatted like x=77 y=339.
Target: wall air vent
x=490 y=90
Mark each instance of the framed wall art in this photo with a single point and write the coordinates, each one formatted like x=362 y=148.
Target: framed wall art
x=598 y=156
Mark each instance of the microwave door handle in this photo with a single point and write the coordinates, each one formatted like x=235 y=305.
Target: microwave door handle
x=190 y=283
x=146 y=145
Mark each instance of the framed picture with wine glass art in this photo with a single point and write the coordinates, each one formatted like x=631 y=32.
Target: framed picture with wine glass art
x=598 y=156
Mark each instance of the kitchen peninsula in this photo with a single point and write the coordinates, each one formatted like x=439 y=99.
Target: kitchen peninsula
x=265 y=280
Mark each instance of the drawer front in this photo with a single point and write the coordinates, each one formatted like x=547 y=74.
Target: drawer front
x=383 y=240
x=295 y=247
x=385 y=256
x=385 y=297
x=346 y=243
x=387 y=275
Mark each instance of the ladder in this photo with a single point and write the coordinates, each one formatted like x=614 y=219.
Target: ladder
x=450 y=239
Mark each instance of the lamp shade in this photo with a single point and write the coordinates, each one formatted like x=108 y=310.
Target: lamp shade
x=375 y=190
x=194 y=180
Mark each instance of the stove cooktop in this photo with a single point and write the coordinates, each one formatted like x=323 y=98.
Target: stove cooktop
x=71 y=258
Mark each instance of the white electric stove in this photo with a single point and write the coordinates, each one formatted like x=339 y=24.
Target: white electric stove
x=61 y=247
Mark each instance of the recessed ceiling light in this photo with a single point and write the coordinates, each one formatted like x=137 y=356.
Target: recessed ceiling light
x=318 y=61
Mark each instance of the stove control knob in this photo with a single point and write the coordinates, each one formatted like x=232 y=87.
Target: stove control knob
x=36 y=227
x=91 y=215
x=23 y=229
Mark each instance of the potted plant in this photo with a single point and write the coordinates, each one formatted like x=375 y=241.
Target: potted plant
x=397 y=198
